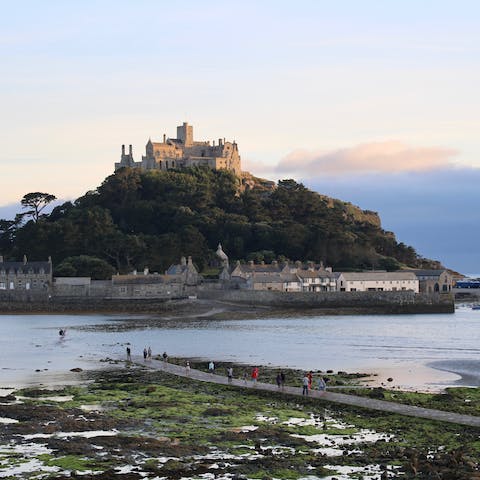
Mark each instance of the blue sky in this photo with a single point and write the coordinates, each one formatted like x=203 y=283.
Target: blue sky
x=374 y=102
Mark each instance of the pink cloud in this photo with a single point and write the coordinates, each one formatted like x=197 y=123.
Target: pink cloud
x=376 y=157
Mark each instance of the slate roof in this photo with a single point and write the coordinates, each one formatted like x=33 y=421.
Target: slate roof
x=379 y=276
x=314 y=274
x=427 y=273
x=274 y=278
x=143 y=279
x=21 y=268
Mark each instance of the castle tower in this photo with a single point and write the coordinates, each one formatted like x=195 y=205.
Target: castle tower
x=185 y=134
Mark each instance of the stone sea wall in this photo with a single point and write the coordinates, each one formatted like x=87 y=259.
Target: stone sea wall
x=327 y=302
x=345 y=302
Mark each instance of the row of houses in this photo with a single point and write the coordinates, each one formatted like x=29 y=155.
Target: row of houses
x=184 y=279
x=317 y=278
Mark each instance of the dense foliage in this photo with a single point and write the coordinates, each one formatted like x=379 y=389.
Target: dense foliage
x=136 y=219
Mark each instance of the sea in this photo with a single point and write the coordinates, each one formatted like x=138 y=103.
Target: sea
x=422 y=352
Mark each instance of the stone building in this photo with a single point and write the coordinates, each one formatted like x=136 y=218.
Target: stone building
x=377 y=281
x=25 y=276
x=434 y=280
x=184 y=151
x=285 y=277
x=178 y=281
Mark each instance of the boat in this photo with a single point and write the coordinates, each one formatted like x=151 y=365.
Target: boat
x=475 y=307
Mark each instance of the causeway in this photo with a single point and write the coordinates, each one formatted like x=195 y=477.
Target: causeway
x=363 y=402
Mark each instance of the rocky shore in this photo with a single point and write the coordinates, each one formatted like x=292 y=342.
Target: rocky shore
x=132 y=423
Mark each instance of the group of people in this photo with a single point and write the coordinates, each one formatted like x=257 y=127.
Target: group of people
x=147 y=354
x=308 y=381
x=280 y=380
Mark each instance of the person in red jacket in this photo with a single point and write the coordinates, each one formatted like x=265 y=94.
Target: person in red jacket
x=254 y=375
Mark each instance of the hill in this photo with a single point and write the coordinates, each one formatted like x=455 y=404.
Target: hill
x=136 y=219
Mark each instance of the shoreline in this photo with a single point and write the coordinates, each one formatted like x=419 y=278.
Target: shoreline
x=407 y=378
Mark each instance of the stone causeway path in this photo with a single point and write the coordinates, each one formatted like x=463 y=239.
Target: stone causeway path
x=363 y=402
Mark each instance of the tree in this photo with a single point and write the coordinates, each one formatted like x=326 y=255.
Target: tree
x=85 y=266
x=36 y=202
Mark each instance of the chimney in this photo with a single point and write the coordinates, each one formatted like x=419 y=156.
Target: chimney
x=213 y=143
x=24 y=259
x=219 y=142
x=164 y=138
x=123 y=150
x=130 y=151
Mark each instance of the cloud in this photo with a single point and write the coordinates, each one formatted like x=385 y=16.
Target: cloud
x=376 y=157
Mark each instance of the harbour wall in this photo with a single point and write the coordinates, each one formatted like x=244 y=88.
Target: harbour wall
x=321 y=302
x=339 y=302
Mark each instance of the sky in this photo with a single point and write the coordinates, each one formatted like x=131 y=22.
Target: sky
x=372 y=102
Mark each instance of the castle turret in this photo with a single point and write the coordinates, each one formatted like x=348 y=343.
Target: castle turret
x=185 y=134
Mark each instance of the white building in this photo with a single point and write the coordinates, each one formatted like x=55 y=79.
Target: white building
x=377 y=282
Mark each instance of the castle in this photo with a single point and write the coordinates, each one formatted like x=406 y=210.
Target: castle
x=183 y=152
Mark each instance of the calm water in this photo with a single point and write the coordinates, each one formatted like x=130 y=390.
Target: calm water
x=403 y=344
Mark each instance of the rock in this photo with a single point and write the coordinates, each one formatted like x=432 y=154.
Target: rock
x=389 y=379
x=77 y=369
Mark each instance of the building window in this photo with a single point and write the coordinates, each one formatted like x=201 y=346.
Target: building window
x=12 y=286
x=3 y=286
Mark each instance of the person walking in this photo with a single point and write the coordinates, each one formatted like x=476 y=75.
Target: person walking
x=305 y=383
x=145 y=353
x=310 y=379
x=230 y=374
x=129 y=354
x=165 y=356
x=255 y=376
x=211 y=367
x=282 y=376
x=322 y=386
x=245 y=376
x=149 y=353
x=279 y=380
x=187 y=368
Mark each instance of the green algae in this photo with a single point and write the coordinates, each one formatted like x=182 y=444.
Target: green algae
x=190 y=418
x=67 y=462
